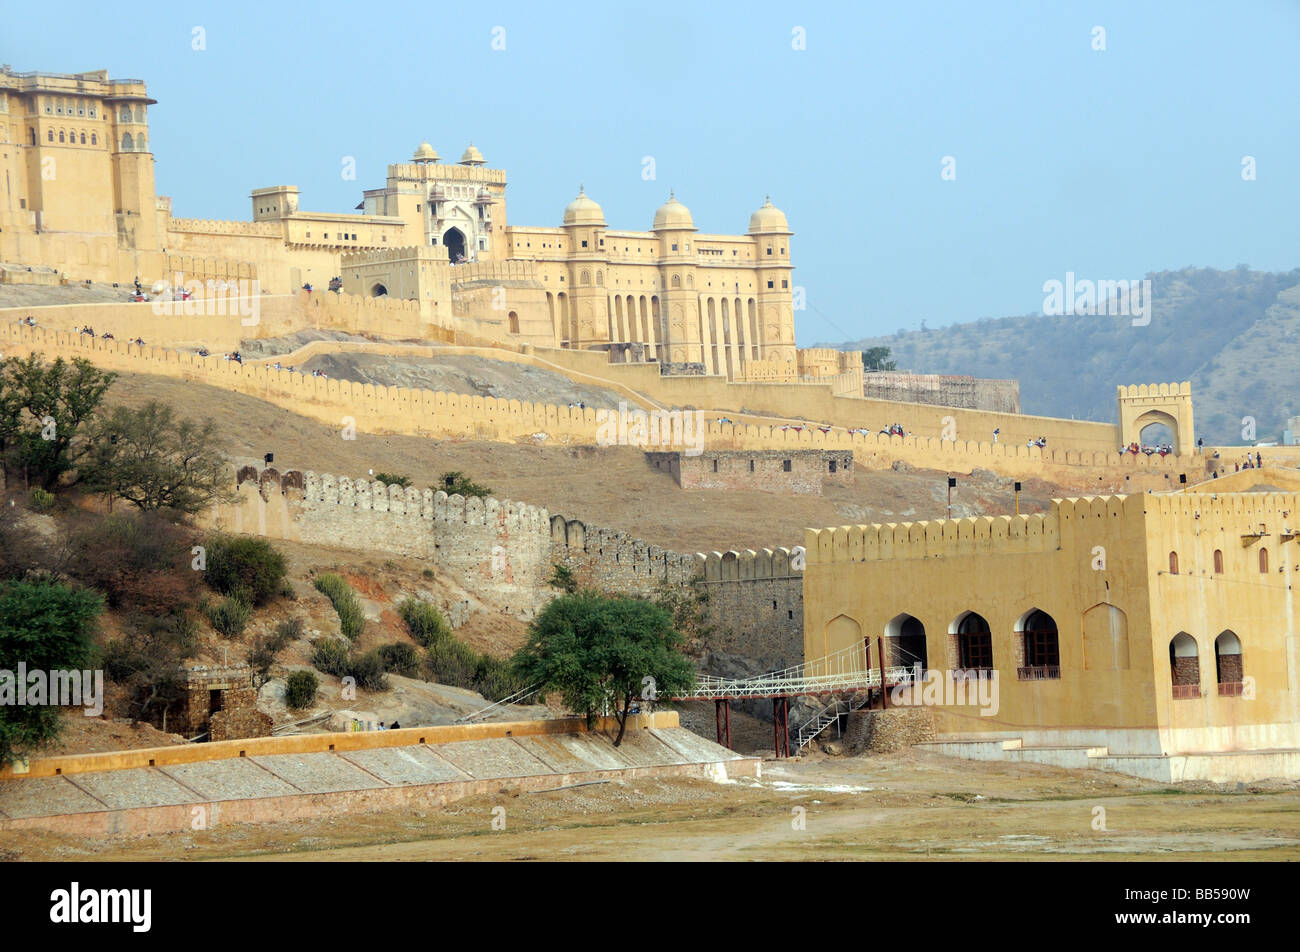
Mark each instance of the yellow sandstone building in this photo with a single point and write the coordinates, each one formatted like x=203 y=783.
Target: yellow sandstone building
x=79 y=199
x=1147 y=634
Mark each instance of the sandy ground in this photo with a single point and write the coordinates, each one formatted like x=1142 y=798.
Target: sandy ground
x=907 y=806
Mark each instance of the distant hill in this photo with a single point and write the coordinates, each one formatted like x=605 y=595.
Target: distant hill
x=1234 y=334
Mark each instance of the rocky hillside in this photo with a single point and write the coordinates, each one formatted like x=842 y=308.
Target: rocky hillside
x=1234 y=334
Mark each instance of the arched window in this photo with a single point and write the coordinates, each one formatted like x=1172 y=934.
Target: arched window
x=905 y=643
x=1173 y=563
x=83 y=138
x=1263 y=561
x=585 y=278
x=128 y=144
x=50 y=134
x=1042 y=647
x=94 y=140
x=1218 y=561
x=677 y=280
x=1227 y=664
x=125 y=115
x=60 y=135
x=513 y=317
x=1184 y=666
x=140 y=144
x=600 y=279
x=974 y=643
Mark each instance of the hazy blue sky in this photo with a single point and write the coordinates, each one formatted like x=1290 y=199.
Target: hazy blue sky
x=1106 y=163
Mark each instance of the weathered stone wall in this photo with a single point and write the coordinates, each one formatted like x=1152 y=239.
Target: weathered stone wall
x=239 y=717
x=504 y=553
x=948 y=390
x=883 y=732
x=777 y=471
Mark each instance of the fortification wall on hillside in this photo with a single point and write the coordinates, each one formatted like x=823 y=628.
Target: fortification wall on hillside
x=378 y=409
x=504 y=552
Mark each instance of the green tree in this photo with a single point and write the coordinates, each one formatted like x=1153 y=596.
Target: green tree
x=48 y=627
x=155 y=461
x=596 y=652
x=148 y=663
x=44 y=405
x=877 y=358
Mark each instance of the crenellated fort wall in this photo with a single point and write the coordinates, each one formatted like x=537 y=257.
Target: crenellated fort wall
x=378 y=409
x=504 y=553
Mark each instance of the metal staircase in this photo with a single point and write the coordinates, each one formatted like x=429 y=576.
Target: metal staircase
x=827 y=716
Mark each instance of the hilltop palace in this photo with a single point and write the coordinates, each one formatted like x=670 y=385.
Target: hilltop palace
x=79 y=195
x=1147 y=625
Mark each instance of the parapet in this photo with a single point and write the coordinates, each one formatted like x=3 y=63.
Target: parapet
x=933 y=539
x=746 y=565
x=1155 y=390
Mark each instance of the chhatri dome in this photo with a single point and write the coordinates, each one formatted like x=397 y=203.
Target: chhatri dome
x=767 y=219
x=583 y=211
x=672 y=214
x=472 y=156
x=425 y=153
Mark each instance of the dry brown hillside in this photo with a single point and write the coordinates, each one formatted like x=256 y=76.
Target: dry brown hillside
x=611 y=487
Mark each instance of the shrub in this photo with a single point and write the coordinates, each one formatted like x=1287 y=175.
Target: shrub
x=287 y=592
x=300 y=690
x=562 y=578
x=427 y=573
x=426 y=624
x=229 y=616
x=147 y=663
x=330 y=656
x=346 y=604
x=140 y=561
x=42 y=501
x=453 y=663
x=368 y=669
x=495 y=679
x=456 y=482
x=244 y=566
x=400 y=658
x=266 y=648
x=391 y=479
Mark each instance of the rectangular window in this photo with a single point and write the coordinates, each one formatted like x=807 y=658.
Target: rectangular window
x=674 y=247
x=769 y=284
x=584 y=242
x=785 y=465
x=785 y=283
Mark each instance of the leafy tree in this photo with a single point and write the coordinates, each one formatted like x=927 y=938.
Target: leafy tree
x=43 y=406
x=877 y=358
x=392 y=479
x=595 y=652
x=148 y=662
x=46 y=626
x=155 y=461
